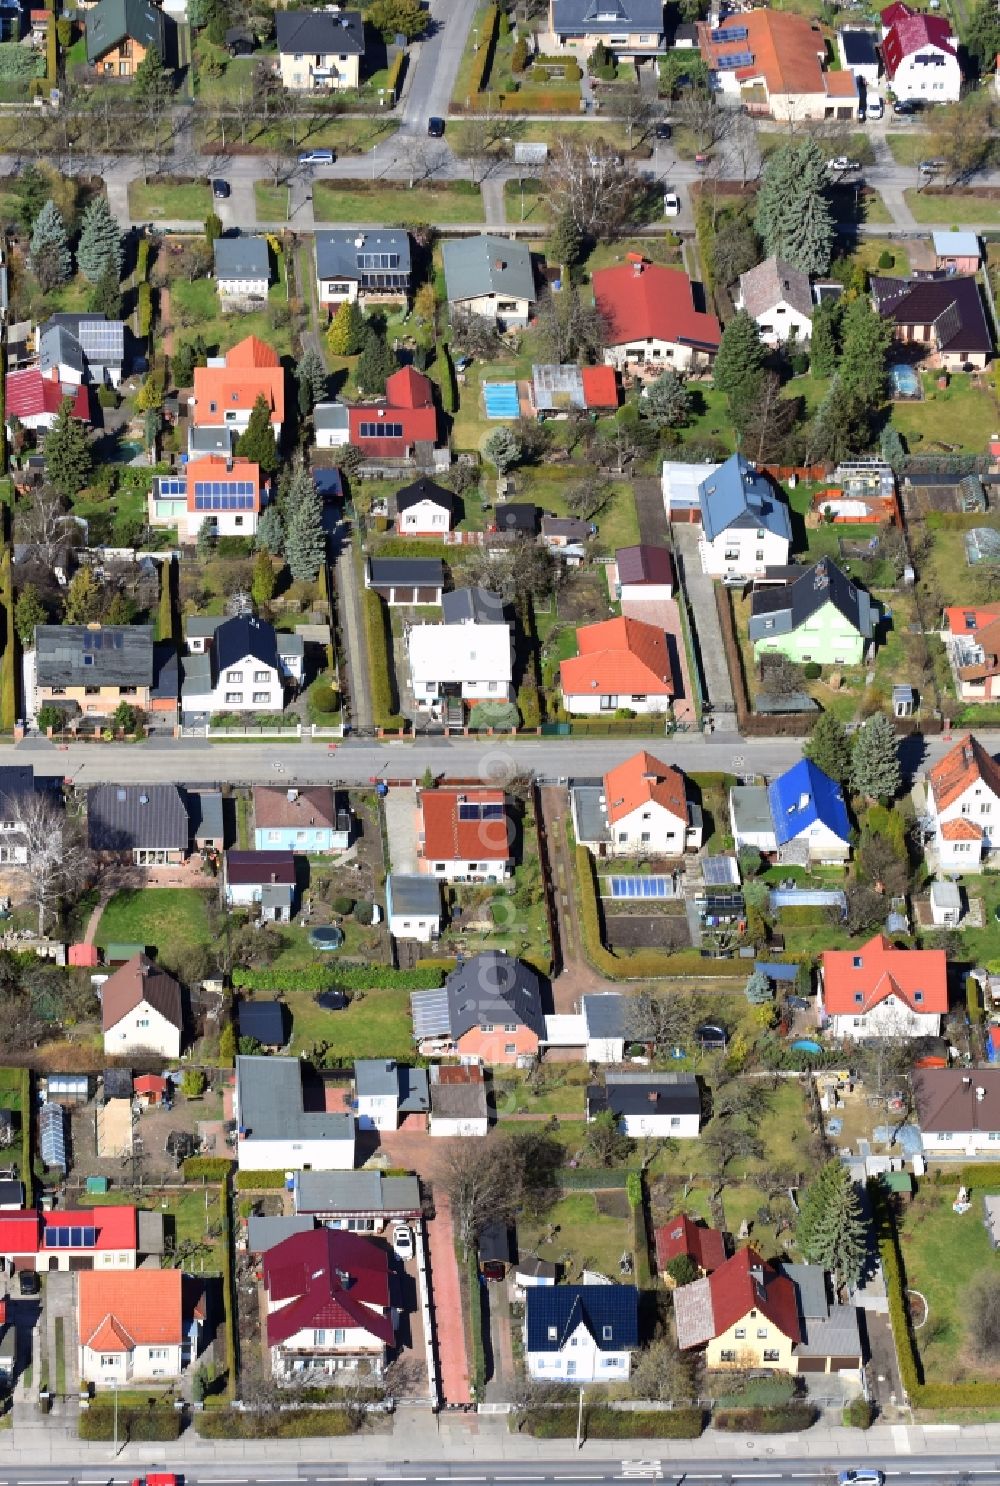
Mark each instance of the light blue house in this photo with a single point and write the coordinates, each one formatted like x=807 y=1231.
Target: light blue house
x=313 y=820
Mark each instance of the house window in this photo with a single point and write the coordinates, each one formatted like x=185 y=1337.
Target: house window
x=510 y=1026
x=109 y=1361
x=918 y=997
x=262 y=696
x=234 y=676
x=606 y=1333
x=675 y=1121
x=740 y=1333
x=859 y=999
x=487 y=1026
x=234 y=698
x=727 y=1356
x=553 y=1334
x=143 y=1021
x=771 y=1354
x=857 y=962
x=762 y=1333
x=571 y=1369
x=510 y=1048
x=262 y=675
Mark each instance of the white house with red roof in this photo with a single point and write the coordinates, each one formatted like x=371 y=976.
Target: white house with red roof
x=641 y=808
x=227 y=494
x=879 y=991
x=963 y=807
x=465 y=835
x=651 y=319
x=94 y=1238
x=620 y=663
x=35 y=397
x=226 y=389
x=139 y=1327
x=972 y=639
x=328 y=1304
x=920 y=53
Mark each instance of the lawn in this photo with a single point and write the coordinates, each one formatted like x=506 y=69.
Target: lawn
x=558 y=1089
x=375 y=1025
x=195 y=310
x=356 y=201
x=982 y=946
x=198 y=1221
x=577 y=1234
x=351 y=136
x=909 y=148
x=957 y=208
x=956 y=419
x=155 y=200
x=271 y=201
x=166 y=919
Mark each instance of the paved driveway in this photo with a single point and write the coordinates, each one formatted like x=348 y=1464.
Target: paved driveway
x=708 y=632
x=401 y=826
x=664 y=613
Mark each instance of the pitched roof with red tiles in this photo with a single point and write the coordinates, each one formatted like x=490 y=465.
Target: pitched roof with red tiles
x=449 y=838
x=252 y=352
x=618 y=657
x=961 y=829
x=855 y=981
x=408 y=388
x=252 y=369
x=222 y=471
x=911 y=33
x=600 y=386
x=965 y=765
x=787 y=51
x=140 y=980
x=643 y=780
x=29 y=394
x=315 y=805
x=744 y=1283
x=706 y=1246
x=20 y=1232
x=644 y=301
x=325 y=1279
x=118 y=1312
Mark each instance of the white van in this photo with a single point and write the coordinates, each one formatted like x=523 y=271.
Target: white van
x=671 y=204
x=874 y=107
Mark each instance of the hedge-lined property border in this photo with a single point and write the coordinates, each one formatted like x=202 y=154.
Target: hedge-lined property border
x=345 y=978
x=381 y=673
x=8 y=665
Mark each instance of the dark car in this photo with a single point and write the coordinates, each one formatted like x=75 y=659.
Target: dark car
x=221 y=190
x=797 y=1003
x=435 y=127
x=663 y=131
x=28 y=1282
x=905 y=106
x=711 y=1035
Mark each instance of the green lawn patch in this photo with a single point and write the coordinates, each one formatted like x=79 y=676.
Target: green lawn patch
x=958 y=418
x=361 y=201
x=272 y=202
x=375 y=1025
x=195 y=310
x=166 y=200
x=907 y=148
x=958 y=207
x=585 y=1234
x=195 y=1219
x=166 y=919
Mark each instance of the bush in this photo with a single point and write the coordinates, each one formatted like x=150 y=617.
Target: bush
x=477 y=1381
x=142 y=260
x=385 y=704
x=8 y=661
x=394 y=79
x=428 y=977
x=153 y=1424
x=859 y=1414
x=812 y=670
x=165 y=613
x=449 y=391
x=886 y=259
x=342 y=905
x=225 y=1424
x=603 y=1423
x=260 y=1181
x=207 y=1168
x=145 y=307
x=519 y=56
x=972 y=1001
x=323 y=697
x=483 y=60
x=787 y=1418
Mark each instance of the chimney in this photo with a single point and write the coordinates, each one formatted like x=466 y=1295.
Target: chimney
x=980 y=1094
x=652 y=1096
x=291 y=795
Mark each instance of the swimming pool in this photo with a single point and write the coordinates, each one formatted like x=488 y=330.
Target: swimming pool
x=501 y=400
x=905 y=382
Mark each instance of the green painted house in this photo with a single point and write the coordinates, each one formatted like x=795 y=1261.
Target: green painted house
x=818 y=614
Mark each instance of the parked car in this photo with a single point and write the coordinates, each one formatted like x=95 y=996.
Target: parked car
x=701 y=160
x=221 y=190
x=842 y=163
x=435 y=127
x=28 y=1282
x=317 y=157
x=671 y=204
x=402 y=1241
x=905 y=106
x=931 y=167
x=874 y=107
x=663 y=130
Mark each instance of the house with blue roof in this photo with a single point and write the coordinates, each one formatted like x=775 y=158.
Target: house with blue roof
x=745 y=523
x=810 y=816
x=580 y=1333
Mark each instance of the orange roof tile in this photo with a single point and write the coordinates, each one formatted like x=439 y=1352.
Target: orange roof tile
x=135 y=1307
x=878 y=970
x=961 y=830
x=449 y=838
x=962 y=766
x=252 y=352
x=970 y=619
x=252 y=369
x=643 y=779
x=619 y=656
x=787 y=50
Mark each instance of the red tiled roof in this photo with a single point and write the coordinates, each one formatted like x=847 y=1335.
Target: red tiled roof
x=709 y=1307
x=138 y=1308
x=251 y=369
x=642 y=301
x=327 y=1279
x=225 y=471
x=706 y=1246
x=787 y=52
x=910 y=33
x=619 y=656
x=150 y=1083
x=29 y=394
x=640 y=780
x=252 y=352
x=966 y=764
x=961 y=830
x=600 y=386
x=878 y=970
x=23 y=1232
x=408 y=388
x=447 y=838
x=970 y=619
x=312 y=806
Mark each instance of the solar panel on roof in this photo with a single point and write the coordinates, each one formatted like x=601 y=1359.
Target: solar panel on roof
x=468 y=812
x=492 y=812
x=734 y=60
x=730 y=33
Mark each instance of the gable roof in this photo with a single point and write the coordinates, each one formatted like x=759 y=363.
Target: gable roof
x=321 y=31
x=706 y=1246
x=270 y=1099
x=124 y=817
x=948 y=1099
x=910 y=32
x=248 y=370
x=111 y=21
x=644 y=564
x=803 y=796
x=254 y=868
x=641 y=301
x=140 y=980
x=951 y=306
x=408 y=388
x=596 y=16
x=338 y=252
x=709 y=1307
x=242 y=257
x=102 y=655
x=618 y=656
x=95 y=337
x=643 y=780
x=311 y=805
x=737 y=494
x=775 y=282
x=472 y=606
x=483 y=265
x=781 y=608
x=458 y=1091
x=402 y=572
x=129 y=1308
x=783 y=50
x=494 y=987
x=878 y=970
x=963 y=766
x=429 y=490
x=552 y=1313
x=325 y=1279
x=29 y=394
x=243 y=635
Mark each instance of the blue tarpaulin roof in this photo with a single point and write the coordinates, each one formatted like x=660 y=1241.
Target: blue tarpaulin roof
x=801 y=797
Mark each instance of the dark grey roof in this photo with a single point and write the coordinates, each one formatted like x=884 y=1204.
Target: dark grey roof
x=267 y=1021
x=340 y=1193
x=494 y=987
x=264 y=1233
x=270 y=1101
x=605 y=1013
x=111 y=21
x=122 y=817
x=17 y=782
x=413 y=892
x=211 y=440
x=242 y=258
x=611 y=16
x=204 y=808
x=645 y=1093
x=570 y=527
x=424 y=489
x=422 y=572
x=166 y=671
x=483 y=265
x=385 y=1078
x=516 y=516
x=112 y=655
x=241 y=636
x=496 y=1244
x=780 y=609
x=472 y=606
x=254 y=868
x=321 y=31
x=552 y=1313
x=98 y=339
x=859 y=47
x=337 y=253
x=58 y=347
x=331 y=415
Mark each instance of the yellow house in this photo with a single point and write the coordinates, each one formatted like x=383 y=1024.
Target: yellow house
x=320 y=50
x=745 y=1315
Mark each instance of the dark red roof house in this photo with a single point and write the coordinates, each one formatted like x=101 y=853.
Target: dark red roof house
x=744 y=1286
x=650 y=315
x=393 y=426
x=36 y=398
x=327 y=1295
x=909 y=32
x=681 y=1236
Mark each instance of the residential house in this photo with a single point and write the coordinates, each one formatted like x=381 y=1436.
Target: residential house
x=642 y=573
x=142 y=1010
x=406 y=580
x=141 y=1327
x=329 y=1306
x=459 y=1100
x=772 y=63
x=465 y=835
x=386 y=1092
x=472 y=606
x=598 y=1031
x=643 y=1104
x=401 y=425
x=413 y=907
x=264 y=877
x=920 y=55
x=879 y=991
x=226 y=390
x=957 y=1110
x=91 y=669
x=145 y=823
x=277 y=1129
x=121 y=33
x=972 y=639
x=779 y=297
x=471 y=662
x=745 y=524
x=224 y=494
x=567 y=537
x=425 y=509
x=857 y=48
x=488 y=1011
x=620 y=663
x=320 y=50
x=558 y=390
x=242 y=271
x=640 y=808
x=247 y=667
x=264 y=1022
x=516 y=519
x=359 y=1201
x=18 y=789
x=944 y=315
x=963 y=807
x=315 y=819
x=580 y=1333
x=817 y=615
x=651 y=319
x=957 y=252
x=35 y=399
x=373 y=267
x=332 y=425
x=79 y=348
x=69 y=1239
x=629 y=28
x=492 y=277
x=682 y=1238
x=809 y=817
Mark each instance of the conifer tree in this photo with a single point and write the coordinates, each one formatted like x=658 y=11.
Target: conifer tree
x=100 y=247
x=256 y=443
x=49 y=254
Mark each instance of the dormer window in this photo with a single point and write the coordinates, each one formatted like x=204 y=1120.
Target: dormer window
x=859 y=999
x=918 y=998
x=553 y=1334
x=857 y=962
x=606 y=1333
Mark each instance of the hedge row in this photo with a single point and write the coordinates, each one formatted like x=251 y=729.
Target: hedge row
x=8 y=664
x=51 y=46
x=483 y=60
x=142 y=261
x=207 y=1168
x=228 y=1424
x=446 y=379
x=344 y=977
x=787 y=1418
x=144 y=301
x=381 y=672
x=394 y=80
x=229 y=1299
x=166 y=611
x=478 y=1380
x=156 y=1424
x=603 y=1423
x=260 y=1181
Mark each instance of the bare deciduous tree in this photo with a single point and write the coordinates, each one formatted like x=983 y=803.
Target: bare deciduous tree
x=698 y=111
x=44 y=525
x=591 y=185
x=57 y=856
